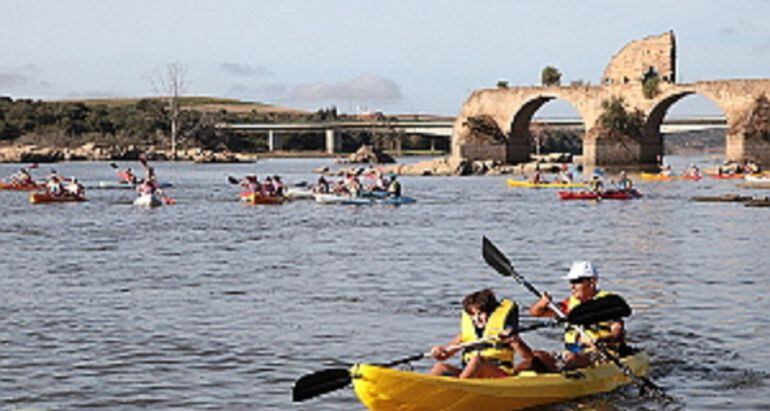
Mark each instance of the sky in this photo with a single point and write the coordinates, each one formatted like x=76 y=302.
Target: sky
x=395 y=56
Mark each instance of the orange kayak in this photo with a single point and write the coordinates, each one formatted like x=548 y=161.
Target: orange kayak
x=259 y=198
x=19 y=187
x=43 y=198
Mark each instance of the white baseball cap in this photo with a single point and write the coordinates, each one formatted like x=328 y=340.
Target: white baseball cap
x=581 y=269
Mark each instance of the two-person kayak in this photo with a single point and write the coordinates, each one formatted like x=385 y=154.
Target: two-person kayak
x=45 y=197
x=254 y=198
x=387 y=389
x=604 y=195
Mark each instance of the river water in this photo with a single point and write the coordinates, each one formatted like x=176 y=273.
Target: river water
x=212 y=304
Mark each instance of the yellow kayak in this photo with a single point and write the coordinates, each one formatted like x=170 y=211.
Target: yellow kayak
x=527 y=184
x=386 y=389
x=664 y=177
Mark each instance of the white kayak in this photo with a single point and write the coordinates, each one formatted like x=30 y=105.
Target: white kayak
x=339 y=199
x=115 y=185
x=757 y=178
x=298 y=193
x=148 y=200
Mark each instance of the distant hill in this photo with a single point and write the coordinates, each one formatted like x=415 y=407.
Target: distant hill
x=201 y=103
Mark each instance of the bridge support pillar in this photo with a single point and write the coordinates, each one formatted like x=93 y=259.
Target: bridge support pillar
x=274 y=142
x=333 y=142
x=741 y=148
x=620 y=151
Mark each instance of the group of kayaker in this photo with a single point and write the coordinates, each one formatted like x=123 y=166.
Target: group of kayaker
x=351 y=185
x=485 y=317
x=272 y=186
x=564 y=176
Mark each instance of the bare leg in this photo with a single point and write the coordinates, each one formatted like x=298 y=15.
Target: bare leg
x=444 y=369
x=478 y=368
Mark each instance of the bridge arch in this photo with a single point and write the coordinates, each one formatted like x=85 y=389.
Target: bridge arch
x=520 y=121
x=652 y=144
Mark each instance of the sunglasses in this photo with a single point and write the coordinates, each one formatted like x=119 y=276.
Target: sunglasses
x=578 y=280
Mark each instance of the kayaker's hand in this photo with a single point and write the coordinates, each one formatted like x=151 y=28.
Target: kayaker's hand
x=439 y=353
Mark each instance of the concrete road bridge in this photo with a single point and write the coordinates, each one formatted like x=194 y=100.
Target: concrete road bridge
x=495 y=123
x=440 y=129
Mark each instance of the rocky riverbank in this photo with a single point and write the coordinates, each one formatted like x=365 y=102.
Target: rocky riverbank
x=450 y=166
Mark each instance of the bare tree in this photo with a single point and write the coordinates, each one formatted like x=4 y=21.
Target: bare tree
x=172 y=86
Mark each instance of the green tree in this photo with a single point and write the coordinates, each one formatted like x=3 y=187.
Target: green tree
x=550 y=76
x=502 y=84
x=616 y=120
x=650 y=84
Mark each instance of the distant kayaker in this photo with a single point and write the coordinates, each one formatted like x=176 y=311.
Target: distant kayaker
x=22 y=177
x=54 y=185
x=127 y=176
x=536 y=177
x=394 y=186
x=250 y=183
x=596 y=185
x=579 y=351
x=278 y=185
x=625 y=183
x=483 y=317
x=74 y=188
x=321 y=186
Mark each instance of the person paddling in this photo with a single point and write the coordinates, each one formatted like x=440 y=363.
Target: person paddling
x=74 y=188
x=127 y=176
x=22 y=177
x=596 y=185
x=579 y=351
x=625 y=183
x=483 y=316
x=394 y=187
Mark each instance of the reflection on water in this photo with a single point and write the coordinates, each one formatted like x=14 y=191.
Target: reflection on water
x=210 y=304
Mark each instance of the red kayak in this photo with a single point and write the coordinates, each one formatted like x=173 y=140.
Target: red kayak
x=13 y=186
x=607 y=195
x=727 y=176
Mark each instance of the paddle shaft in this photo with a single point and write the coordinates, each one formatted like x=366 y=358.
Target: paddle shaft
x=465 y=345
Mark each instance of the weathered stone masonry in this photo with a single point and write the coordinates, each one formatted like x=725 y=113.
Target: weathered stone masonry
x=512 y=110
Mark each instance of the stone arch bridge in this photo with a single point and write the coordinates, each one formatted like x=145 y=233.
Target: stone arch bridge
x=494 y=123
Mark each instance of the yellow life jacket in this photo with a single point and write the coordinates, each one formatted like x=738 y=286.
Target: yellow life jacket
x=595 y=331
x=495 y=325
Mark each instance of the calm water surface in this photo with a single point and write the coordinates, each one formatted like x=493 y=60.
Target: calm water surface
x=212 y=304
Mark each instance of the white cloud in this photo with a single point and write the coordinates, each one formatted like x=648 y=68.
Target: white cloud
x=245 y=70
x=367 y=87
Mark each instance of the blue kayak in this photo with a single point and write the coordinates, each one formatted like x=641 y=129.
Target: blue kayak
x=397 y=200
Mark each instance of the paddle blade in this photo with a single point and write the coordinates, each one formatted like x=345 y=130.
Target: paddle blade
x=609 y=308
x=113 y=165
x=320 y=382
x=232 y=180
x=169 y=201
x=496 y=258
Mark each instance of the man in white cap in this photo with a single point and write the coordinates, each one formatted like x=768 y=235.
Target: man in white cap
x=580 y=351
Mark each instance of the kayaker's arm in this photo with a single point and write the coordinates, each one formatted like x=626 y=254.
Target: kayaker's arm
x=442 y=352
x=541 y=307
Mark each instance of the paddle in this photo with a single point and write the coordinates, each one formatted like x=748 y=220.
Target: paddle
x=233 y=180
x=115 y=166
x=325 y=381
x=497 y=260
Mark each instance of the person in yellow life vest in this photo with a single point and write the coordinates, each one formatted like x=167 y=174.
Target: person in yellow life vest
x=483 y=317
x=579 y=350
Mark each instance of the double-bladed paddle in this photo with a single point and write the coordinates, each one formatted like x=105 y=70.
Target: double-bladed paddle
x=328 y=380
x=497 y=260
